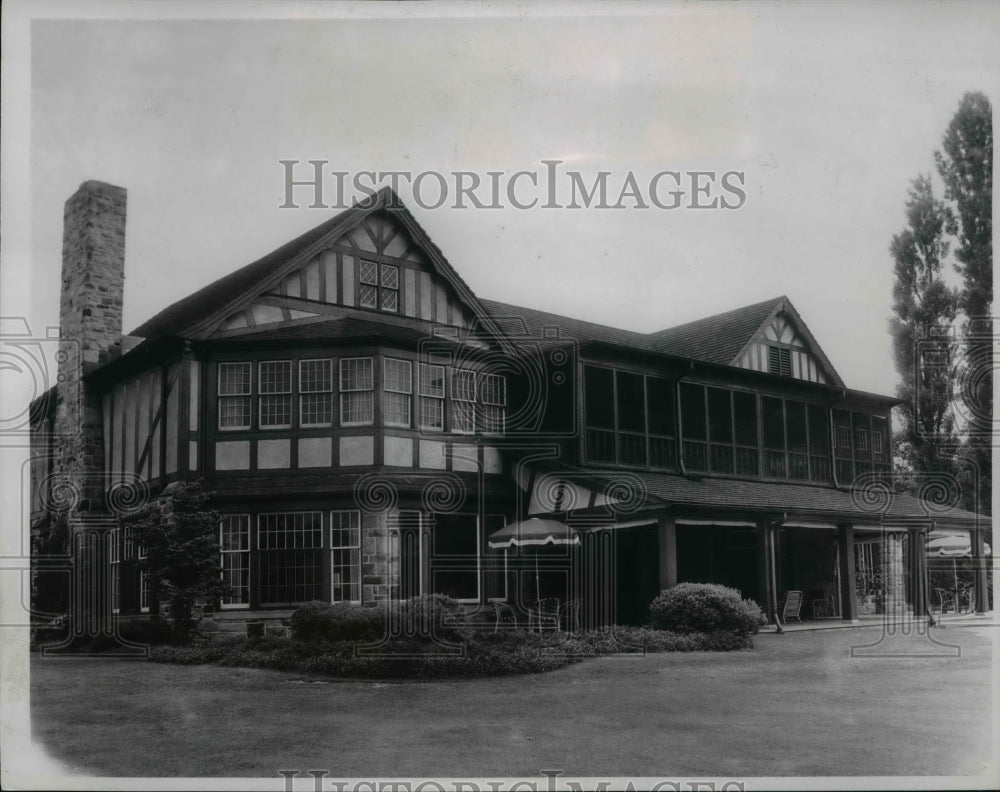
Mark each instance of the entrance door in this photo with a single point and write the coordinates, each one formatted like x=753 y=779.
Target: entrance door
x=637 y=572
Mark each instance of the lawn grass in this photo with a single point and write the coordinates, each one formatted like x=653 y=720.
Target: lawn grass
x=796 y=705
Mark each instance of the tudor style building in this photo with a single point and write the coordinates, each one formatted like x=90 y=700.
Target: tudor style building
x=365 y=422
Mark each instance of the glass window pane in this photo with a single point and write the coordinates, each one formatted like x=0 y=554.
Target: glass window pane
x=693 y=411
x=745 y=415
x=368 y=273
x=795 y=418
x=774 y=426
x=720 y=418
x=819 y=430
x=631 y=402
x=600 y=395
x=660 y=406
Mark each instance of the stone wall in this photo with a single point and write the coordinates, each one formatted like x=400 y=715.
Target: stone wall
x=90 y=324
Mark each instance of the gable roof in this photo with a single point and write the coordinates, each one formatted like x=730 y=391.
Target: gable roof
x=516 y=320
x=724 y=337
x=194 y=314
x=718 y=338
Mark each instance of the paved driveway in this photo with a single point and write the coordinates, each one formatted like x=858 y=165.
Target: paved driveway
x=798 y=704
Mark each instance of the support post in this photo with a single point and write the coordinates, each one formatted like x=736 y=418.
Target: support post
x=667 y=530
x=845 y=544
x=764 y=569
x=979 y=559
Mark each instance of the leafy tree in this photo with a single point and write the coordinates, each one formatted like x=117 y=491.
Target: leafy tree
x=180 y=534
x=921 y=303
x=966 y=167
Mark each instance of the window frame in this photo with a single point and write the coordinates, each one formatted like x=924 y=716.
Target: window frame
x=379 y=285
x=386 y=390
x=457 y=400
x=354 y=555
x=222 y=560
x=354 y=390
x=246 y=396
x=303 y=392
x=261 y=394
x=433 y=399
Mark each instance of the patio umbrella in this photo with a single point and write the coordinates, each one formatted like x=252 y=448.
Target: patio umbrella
x=953 y=545
x=534 y=532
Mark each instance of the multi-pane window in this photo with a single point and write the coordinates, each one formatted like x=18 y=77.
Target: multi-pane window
x=844 y=438
x=345 y=556
x=291 y=557
x=876 y=443
x=275 y=385
x=493 y=398
x=719 y=429
x=629 y=418
x=463 y=400
x=234 y=551
x=379 y=286
x=234 y=395
x=779 y=361
x=431 y=397
x=861 y=438
x=316 y=392
x=397 y=392
x=114 y=558
x=357 y=392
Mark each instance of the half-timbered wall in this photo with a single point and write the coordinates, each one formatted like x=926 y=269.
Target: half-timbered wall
x=141 y=431
x=780 y=349
x=337 y=441
x=373 y=267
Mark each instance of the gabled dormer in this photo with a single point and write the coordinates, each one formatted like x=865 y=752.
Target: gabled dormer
x=769 y=336
x=373 y=263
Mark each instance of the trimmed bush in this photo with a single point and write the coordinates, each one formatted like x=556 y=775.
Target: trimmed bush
x=704 y=608
x=146 y=631
x=340 y=621
x=430 y=616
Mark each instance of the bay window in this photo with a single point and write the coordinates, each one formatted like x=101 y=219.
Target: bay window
x=316 y=392
x=431 y=407
x=291 y=558
x=357 y=392
x=275 y=383
x=234 y=396
x=397 y=392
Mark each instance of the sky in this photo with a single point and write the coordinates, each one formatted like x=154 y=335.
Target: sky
x=827 y=111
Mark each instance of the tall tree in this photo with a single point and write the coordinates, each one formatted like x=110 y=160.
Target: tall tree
x=966 y=167
x=922 y=303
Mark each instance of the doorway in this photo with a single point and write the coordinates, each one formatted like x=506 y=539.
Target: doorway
x=637 y=571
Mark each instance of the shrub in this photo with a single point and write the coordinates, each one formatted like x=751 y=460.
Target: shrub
x=340 y=621
x=431 y=616
x=146 y=631
x=704 y=608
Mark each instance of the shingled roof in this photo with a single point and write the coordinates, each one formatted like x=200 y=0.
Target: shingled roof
x=718 y=338
x=179 y=318
x=517 y=320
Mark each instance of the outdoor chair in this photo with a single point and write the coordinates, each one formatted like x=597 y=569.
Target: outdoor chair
x=945 y=600
x=504 y=613
x=569 y=615
x=825 y=607
x=967 y=599
x=544 y=613
x=791 y=605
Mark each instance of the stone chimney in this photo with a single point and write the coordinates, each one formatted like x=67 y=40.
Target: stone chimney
x=90 y=324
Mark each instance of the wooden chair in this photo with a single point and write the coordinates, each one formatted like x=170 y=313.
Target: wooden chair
x=569 y=615
x=504 y=613
x=946 y=600
x=825 y=607
x=967 y=599
x=544 y=613
x=792 y=604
